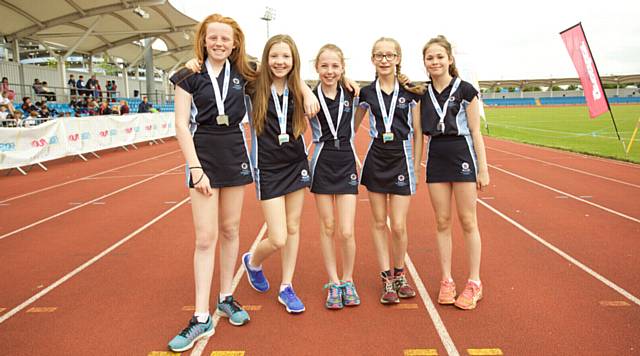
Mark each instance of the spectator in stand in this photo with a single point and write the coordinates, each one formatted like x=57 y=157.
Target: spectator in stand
x=109 y=88
x=114 y=90
x=115 y=110
x=46 y=112
x=27 y=105
x=104 y=109
x=37 y=87
x=4 y=112
x=74 y=103
x=67 y=114
x=51 y=94
x=91 y=86
x=4 y=87
x=12 y=120
x=80 y=86
x=124 y=107
x=98 y=90
x=18 y=116
x=145 y=105
x=4 y=100
x=92 y=107
x=72 y=85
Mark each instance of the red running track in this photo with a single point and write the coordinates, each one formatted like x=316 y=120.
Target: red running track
x=97 y=259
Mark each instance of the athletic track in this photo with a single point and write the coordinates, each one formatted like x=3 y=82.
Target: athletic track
x=96 y=259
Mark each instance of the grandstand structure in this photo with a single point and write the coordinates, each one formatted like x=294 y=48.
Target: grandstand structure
x=626 y=91
x=119 y=31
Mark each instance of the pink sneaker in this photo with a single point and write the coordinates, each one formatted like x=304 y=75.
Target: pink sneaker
x=389 y=294
x=470 y=296
x=447 y=293
x=402 y=287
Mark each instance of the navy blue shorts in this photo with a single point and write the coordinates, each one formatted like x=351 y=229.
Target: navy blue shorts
x=333 y=170
x=451 y=159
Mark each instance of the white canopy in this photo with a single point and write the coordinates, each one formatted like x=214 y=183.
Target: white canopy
x=114 y=27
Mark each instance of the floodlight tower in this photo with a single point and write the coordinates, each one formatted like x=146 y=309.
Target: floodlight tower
x=269 y=15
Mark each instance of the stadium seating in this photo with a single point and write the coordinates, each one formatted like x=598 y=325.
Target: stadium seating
x=510 y=102
x=562 y=100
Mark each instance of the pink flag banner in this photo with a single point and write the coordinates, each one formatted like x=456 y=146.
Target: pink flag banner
x=576 y=43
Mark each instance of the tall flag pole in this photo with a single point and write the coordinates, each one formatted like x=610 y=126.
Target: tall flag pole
x=576 y=42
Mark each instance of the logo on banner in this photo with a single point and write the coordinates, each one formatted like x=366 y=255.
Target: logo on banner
x=148 y=127
x=128 y=130
x=588 y=63
x=39 y=143
x=74 y=137
x=103 y=133
x=85 y=136
x=7 y=146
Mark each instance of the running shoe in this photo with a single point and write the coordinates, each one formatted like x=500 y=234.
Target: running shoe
x=447 y=294
x=257 y=280
x=470 y=296
x=192 y=333
x=334 y=296
x=389 y=294
x=350 y=296
x=402 y=287
x=230 y=308
x=290 y=300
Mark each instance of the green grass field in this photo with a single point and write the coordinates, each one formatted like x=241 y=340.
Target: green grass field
x=568 y=128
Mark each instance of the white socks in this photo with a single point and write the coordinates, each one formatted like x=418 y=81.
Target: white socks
x=202 y=317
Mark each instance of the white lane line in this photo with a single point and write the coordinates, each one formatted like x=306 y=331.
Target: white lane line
x=428 y=303
x=564 y=255
x=86 y=203
x=568 y=168
x=568 y=194
x=130 y=176
x=433 y=313
x=202 y=344
x=85 y=265
x=90 y=176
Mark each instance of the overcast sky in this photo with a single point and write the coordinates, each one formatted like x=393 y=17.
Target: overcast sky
x=494 y=39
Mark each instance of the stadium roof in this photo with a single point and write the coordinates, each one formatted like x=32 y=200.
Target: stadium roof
x=100 y=26
x=611 y=79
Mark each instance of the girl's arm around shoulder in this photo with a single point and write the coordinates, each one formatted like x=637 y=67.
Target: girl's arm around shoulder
x=311 y=103
x=473 y=117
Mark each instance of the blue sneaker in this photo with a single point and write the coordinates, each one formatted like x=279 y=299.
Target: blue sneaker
x=257 y=280
x=290 y=300
x=192 y=333
x=229 y=308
